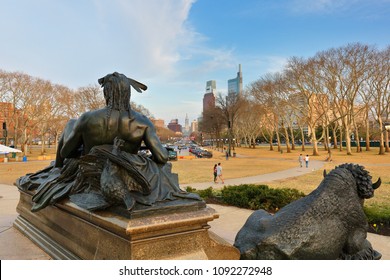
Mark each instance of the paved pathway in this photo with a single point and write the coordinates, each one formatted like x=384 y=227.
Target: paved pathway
x=287 y=173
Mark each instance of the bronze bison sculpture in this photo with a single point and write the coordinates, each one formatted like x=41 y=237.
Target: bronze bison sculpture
x=329 y=223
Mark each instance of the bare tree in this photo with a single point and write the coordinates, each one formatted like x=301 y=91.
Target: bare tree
x=89 y=98
x=378 y=90
x=306 y=89
x=248 y=126
x=344 y=72
x=230 y=108
x=212 y=123
x=18 y=90
x=264 y=93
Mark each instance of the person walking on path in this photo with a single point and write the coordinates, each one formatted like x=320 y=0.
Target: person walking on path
x=307 y=161
x=215 y=173
x=300 y=159
x=219 y=173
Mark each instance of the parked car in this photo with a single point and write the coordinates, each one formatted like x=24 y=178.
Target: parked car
x=205 y=154
x=145 y=152
x=172 y=154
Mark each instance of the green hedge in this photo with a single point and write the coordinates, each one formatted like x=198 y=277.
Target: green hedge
x=259 y=196
x=250 y=196
x=378 y=214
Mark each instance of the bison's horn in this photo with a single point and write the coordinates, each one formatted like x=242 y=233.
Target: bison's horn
x=377 y=184
x=324 y=173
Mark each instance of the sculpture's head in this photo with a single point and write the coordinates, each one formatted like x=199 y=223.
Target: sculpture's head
x=365 y=187
x=117 y=91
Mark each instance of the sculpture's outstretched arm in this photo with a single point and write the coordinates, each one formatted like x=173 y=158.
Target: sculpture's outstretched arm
x=160 y=154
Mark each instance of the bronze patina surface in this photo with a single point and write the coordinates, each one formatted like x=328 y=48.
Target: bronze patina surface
x=66 y=231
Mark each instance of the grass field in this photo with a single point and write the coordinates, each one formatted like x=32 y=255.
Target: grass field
x=248 y=162
x=261 y=160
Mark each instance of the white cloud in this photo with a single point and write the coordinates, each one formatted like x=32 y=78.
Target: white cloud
x=155 y=31
x=159 y=42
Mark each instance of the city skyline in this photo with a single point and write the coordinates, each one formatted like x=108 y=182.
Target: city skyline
x=175 y=46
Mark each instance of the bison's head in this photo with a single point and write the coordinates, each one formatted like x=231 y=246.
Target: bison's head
x=365 y=187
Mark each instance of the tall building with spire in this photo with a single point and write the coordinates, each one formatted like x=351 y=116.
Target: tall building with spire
x=235 y=85
x=187 y=128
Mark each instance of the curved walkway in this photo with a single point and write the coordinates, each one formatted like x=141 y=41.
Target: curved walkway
x=287 y=173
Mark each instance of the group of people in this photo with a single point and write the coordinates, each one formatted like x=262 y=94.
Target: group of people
x=217 y=170
x=300 y=159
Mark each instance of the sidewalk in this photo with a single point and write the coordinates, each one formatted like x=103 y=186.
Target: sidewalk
x=15 y=246
x=288 y=173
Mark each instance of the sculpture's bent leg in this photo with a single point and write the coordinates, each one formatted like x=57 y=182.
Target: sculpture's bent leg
x=251 y=234
x=359 y=248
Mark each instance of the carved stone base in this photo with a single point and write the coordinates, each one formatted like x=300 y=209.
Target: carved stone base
x=65 y=231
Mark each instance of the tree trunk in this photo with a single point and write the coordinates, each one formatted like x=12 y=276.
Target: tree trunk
x=367 y=133
x=278 y=139
x=329 y=155
x=287 y=140
x=382 y=141
x=43 y=144
x=315 y=145
x=270 y=139
x=357 y=139
x=326 y=139
x=381 y=145
x=348 y=141
x=16 y=140
x=334 y=135
x=292 y=138
x=25 y=141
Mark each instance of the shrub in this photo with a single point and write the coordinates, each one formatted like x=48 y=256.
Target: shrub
x=208 y=193
x=377 y=215
x=259 y=197
x=250 y=196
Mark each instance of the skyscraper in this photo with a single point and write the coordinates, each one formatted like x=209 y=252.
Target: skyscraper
x=235 y=85
x=211 y=86
x=209 y=97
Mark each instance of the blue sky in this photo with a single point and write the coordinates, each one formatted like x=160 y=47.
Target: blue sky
x=175 y=46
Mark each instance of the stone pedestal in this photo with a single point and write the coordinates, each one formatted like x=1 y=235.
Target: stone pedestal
x=169 y=231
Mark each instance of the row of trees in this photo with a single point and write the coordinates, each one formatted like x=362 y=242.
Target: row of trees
x=341 y=94
x=34 y=108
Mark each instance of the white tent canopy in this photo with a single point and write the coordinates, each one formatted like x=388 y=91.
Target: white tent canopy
x=6 y=150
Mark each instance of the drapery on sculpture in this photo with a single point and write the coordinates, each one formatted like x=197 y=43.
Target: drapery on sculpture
x=329 y=223
x=97 y=165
